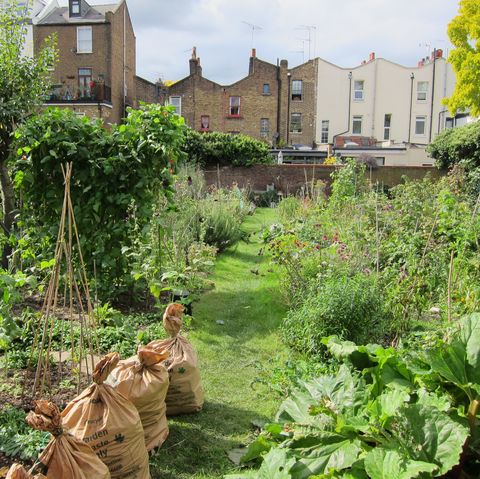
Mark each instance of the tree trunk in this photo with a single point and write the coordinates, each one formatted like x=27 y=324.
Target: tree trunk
x=8 y=206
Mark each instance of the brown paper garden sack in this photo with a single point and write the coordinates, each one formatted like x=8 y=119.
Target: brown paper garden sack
x=185 y=392
x=144 y=380
x=65 y=456
x=17 y=471
x=109 y=423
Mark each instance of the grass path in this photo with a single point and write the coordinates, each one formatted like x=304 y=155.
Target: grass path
x=250 y=306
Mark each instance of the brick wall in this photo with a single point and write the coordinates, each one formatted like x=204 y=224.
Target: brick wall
x=146 y=91
x=290 y=178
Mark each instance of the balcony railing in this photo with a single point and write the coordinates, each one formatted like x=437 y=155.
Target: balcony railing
x=97 y=93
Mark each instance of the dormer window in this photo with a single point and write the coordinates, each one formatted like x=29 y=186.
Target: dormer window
x=75 y=8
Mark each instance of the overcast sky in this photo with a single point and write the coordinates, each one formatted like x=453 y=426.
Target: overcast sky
x=345 y=32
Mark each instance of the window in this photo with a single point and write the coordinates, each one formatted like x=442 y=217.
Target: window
x=84 y=39
x=357 y=125
x=386 y=126
x=204 y=122
x=176 y=101
x=358 y=89
x=264 y=127
x=266 y=88
x=75 y=7
x=380 y=160
x=84 y=82
x=420 y=122
x=449 y=122
x=422 y=89
x=296 y=123
x=297 y=89
x=324 y=138
x=234 y=109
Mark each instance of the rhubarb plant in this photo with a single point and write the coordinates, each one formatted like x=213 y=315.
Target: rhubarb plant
x=385 y=413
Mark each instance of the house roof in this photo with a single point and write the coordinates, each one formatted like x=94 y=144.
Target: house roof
x=95 y=14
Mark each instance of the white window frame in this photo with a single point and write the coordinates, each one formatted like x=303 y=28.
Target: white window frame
x=76 y=7
x=82 y=46
x=418 y=120
x=422 y=90
x=292 y=123
x=358 y=90
x=178 y=107
x=386 y=128
x=232 y=104
x=356 y=121
x=297 y=92
x=324 y=132
x=264 y=127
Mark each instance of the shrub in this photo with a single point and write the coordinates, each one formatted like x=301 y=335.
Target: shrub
x=116 y=175
x=214 y=148
x=350 y=307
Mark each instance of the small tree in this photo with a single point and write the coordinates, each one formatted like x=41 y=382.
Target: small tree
x=23 y=83
x=464 y=33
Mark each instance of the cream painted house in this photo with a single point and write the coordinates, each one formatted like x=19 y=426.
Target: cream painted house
x=383 y=109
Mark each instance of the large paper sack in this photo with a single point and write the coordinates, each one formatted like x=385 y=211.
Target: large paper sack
x=109 y=423
x=185 y=392
x=144 y=380
x=65 y=456
x=17 y=471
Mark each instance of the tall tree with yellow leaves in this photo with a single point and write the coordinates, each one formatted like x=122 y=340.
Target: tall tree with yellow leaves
x=464 y=33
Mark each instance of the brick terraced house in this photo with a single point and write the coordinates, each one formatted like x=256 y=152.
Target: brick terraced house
x=95 y=73
x=262 y=105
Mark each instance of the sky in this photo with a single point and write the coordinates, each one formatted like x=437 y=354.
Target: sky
x=343 y=32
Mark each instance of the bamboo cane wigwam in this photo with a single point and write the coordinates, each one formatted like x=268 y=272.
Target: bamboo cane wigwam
x=72 y=312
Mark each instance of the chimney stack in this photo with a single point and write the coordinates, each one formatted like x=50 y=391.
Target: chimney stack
x=194 y=62
x=371 y=57
x=254 y=52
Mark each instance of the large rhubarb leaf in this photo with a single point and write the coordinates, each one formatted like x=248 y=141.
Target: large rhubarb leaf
x=322 y=453
x=385 y=464
x=431 y=436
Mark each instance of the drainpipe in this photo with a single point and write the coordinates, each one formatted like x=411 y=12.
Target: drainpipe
x=289 y=75
x=412 y=77
x=433 y=94
x=279 y=101
x=349 y=110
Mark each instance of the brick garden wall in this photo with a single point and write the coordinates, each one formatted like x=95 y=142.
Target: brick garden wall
x=290 y=178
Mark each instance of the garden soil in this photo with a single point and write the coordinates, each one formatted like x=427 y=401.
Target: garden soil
x=185 y=392
x=109 y=423
x=144 y=381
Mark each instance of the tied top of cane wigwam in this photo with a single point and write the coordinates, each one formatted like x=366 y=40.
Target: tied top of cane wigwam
x=172 y=319
x=45 y=417
x=104 y=367
x=148 y=356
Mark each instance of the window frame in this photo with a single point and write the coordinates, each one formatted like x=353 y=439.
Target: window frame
x=292 y=122
x=324 y=131
x=84 y=86
x=231 y=106
x=76 y=5
x=178 y=108
x=264 y=132
x=361 y=90
x=294 y=95
x=420 y=119
x=359 y=120
x=422 y=91
x=387 y=128
x=84 y=28
x=204 y=128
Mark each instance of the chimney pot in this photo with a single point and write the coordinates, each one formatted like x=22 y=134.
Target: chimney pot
x=371 y=57
x=254 y=52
